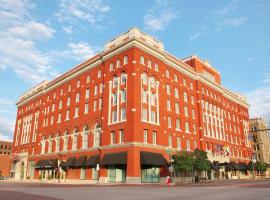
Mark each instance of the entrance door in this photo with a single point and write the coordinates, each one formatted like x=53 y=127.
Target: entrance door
x=22 y=170
x=150 y=174
x=111 y=174
x=116 y=174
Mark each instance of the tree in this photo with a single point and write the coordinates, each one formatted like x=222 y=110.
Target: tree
x=201 y=162
x=183 y=162
x=260 y=167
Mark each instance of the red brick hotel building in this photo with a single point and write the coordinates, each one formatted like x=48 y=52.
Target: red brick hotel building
x=113 y=117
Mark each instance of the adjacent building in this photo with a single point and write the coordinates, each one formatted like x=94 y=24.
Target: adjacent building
x=261 y=140
x=112 y=118
x=5 y=157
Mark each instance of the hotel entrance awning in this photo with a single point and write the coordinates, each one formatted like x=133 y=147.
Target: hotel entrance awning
x=155 y=159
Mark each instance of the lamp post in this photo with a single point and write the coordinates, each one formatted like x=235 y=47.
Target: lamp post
x=168 y=151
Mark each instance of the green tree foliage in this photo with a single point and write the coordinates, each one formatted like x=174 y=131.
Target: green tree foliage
x=260 y=167
x=183 y=162
x=201 y=162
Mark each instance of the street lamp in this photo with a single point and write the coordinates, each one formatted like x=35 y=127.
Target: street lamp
x=168 y=151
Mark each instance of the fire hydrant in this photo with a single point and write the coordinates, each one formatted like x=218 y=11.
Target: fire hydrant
x=168 y=180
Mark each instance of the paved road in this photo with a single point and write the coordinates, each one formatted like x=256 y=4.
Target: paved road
x=239 y=190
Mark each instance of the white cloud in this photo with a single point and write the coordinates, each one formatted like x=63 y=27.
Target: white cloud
x=82 y=50
x=72 y=12
x=6 y=129
x=4 y=101
x=227 y=9
x=32 y=30
x=195 y=36
x=160 y=16
x=235 y=21
x=18 y=42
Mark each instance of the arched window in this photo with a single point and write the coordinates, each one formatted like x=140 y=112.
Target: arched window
x=123 y=78
x=185 y=97
x=85 y=137
x=152 y=81
x=142 y=60
x=144 y=78
x=50 y=144
x=65 y=145
x=57 y=143
x=75 y=139
x=115 y=81
x=97 y=132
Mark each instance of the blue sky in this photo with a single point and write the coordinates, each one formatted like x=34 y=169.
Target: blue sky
x=42 y=39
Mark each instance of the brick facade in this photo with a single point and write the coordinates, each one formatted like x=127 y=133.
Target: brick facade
x=136 y=98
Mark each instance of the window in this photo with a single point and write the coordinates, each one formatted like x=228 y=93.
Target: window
x=177 y=124
x=86 y=108
x=111 y=66
x=117 y=63
x=57 y=145
x=97 y=136
x=78 y=83
x=142 y=60
x=192 y=100
x=77 y=97
x=52 y=118
x=112 y=137
x=194 y=128
x=67 y=115
x=178 y=141
x=168 y=105
x=88 y=79
x=115 y=81
x=123 y=78
x=50 y=145
x=96 y=90
x=60 y=105
x=114 y=116
x=82 y=174
x=186 y=111
x=61 y=92
x=144 y=114
x=123 y=114
x=69 y=88
x=156 y=67
x=175 y=78
x=75 y=140
x=114 y=96
x=153 y=97
x=149 y=64
x=145 y=136
x=95 y=105
x=99 y=74
x=68 y=101
x=100 y=88
x=100 y=104
x=177 y=110
x=53 y=107
x=59 y=118
x=167 y=73
x=176 y=93
x=123 y=96
x=85 y=138
x=144 y=96
x=170 y=141
x=94 y=174
x=187 y=127
x=185 y=97
x=144 y=78
x=153 y=116
x=188 y=145
x=125 y=60
x=76 y=113
x=191 y=86
x=87 y=93
x=121 y=136
x=184 y=82
x=154 y=137
x=43 y=146
x=65 y=146
x=168 y=89
x=193 y=113
x=169 y=122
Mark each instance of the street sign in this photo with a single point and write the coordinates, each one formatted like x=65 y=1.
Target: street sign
x=171 y=169
x=168 y=151
x=97 y=168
